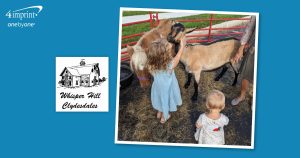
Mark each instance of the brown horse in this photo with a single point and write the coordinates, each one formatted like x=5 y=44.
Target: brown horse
x=137 y=53
x=206 y=57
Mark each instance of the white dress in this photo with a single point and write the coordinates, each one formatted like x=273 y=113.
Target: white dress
x=212 y=131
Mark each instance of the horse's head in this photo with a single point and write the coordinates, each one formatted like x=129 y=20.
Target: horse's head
x=138 y=59
x=137 y=53
x=165 y=26
x=176 y=34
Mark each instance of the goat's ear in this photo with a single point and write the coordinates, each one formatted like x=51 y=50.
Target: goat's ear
x=190 y=30
x=173 y=22
x=130 y=50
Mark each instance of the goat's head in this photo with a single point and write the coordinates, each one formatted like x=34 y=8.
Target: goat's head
x=177 y=33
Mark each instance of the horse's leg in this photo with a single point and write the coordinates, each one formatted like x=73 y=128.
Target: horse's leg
x=196 y=86
x=224 y=69
x=188 y=81
x=236 y=75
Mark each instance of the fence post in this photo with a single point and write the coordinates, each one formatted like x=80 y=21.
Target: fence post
x=157 y=20
x=150 y=13
x=210 y=26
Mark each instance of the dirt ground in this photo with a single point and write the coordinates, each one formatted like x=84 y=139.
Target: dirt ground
x=138 y=122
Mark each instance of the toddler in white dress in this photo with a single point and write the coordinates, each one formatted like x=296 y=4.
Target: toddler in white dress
x=210 y=125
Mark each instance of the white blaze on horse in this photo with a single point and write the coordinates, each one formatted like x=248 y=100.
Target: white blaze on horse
x=138 y=52
x=206 y=57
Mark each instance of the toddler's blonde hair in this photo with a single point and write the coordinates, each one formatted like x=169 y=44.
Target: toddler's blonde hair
x=215 y=100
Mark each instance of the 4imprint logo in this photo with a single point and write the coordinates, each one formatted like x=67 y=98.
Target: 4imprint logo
x=22 y=18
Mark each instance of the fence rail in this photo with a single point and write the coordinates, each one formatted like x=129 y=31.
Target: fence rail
x=154 y=20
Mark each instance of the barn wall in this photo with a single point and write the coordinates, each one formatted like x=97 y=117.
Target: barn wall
x=74 y=79
x=92 y=75
x=66 y=77
x=84 y=78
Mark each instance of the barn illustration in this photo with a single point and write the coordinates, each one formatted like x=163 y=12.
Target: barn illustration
x=83 y=75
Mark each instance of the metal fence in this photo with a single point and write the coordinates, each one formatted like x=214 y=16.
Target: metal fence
x=207 y=37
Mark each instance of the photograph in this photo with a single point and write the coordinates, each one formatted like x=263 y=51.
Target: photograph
x=186 y=78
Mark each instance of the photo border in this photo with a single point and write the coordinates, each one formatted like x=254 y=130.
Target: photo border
x=187 y=144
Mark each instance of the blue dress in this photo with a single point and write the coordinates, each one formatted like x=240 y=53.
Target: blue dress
x=165 y=91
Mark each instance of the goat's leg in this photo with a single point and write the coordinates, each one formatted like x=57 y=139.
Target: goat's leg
x=195 y=95
x=188 y=81
x=224 y=69
x=236 y=75
x=196 y=86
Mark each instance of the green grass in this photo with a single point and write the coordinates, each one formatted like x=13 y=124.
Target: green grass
x=133 y=29
x=138 y=28
x=206 y=23
x=130 y=13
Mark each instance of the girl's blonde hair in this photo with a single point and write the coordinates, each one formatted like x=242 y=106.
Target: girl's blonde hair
x=215 y=100
x=159 y=55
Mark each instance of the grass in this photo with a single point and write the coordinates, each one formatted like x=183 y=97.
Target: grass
x=131 y=13
x=133 y=29
x=206 y=23
x=138 y=28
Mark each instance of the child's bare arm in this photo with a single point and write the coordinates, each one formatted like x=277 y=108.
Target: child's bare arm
x=177 y=57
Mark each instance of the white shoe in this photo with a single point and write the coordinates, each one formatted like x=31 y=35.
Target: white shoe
x=236 y=101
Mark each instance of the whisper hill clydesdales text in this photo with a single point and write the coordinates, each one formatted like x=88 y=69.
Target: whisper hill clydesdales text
x=90 y=95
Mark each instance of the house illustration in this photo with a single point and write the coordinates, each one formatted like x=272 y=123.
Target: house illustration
x=84 y=75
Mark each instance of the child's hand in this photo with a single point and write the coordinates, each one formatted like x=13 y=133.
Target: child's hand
x=238 y=55
x=178 y=55
x=183 y=42
x=198 y=125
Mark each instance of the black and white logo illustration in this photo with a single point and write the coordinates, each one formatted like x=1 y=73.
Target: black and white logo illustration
x=81 y=84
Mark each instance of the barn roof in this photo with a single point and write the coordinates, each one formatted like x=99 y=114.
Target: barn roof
x=80 y=70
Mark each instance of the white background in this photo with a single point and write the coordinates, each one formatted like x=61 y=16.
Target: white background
x=102 y=102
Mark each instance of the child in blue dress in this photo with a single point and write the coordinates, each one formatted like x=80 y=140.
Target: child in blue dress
x=165 y=91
